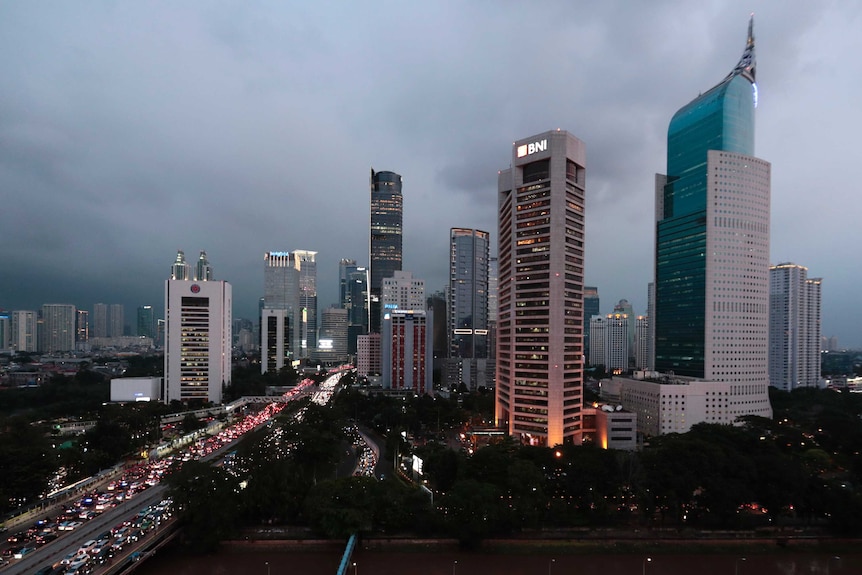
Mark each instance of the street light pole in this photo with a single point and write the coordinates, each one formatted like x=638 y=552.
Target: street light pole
x=454 y=564
x=355 y=568
x=267 y=567
x=643 y=565
x=550 y=563
x=736 y=565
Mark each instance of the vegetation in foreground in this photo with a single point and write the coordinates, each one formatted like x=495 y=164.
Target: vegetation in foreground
x=800 y=472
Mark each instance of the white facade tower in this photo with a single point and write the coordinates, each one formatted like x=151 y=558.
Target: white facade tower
x=198 y=314
x=794 y=327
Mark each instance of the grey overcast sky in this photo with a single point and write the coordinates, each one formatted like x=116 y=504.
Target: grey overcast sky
x=129 y=130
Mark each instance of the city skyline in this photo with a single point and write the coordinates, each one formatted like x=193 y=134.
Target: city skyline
x=119 y=119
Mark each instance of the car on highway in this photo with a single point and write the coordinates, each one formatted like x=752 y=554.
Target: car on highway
x=19 y=537
x=23 y=552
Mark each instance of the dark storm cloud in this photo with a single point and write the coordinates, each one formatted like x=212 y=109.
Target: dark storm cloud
x=130 y=130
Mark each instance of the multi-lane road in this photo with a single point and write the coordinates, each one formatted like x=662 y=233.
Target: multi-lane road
x=71 y=541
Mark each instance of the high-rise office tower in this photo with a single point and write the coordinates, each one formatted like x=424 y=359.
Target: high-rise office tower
x=345 y=267
x=275 y=338
x=24 y=331
x=712 y=245
x=305 y=264
x=332 y=343
x=467 y=310
x=353 y=296
x=368 y=354
x=541 y=265
x=405 y=343
x=591 y=308
x=281 y=294
x=794 y=327
x=437 y=303
x=147 y=321
x=116 y=320
x=58 y=328
x=100 y=320
x=82 y=326
x=198 y=339
x=387 y=213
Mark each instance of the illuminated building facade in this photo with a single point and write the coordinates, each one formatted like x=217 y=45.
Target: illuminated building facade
x=198 y=339
x=406 y=344
x=387 y=213
x=541 y=202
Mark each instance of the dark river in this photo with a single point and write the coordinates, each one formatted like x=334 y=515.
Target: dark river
x=178 y=562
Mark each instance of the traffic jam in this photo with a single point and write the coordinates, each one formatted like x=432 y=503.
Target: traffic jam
x=133 y=481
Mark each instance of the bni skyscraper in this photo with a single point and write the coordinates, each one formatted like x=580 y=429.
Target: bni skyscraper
x=387 y=213
x=712 y=245
x=541 y=284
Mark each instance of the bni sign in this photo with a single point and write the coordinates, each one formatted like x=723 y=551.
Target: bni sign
x=532 y=148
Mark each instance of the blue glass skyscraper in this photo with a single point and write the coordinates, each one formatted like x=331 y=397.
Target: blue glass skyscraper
x=712 y=244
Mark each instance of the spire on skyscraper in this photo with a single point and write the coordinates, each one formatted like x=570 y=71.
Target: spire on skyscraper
x=747 y=64
x=180 y=269
x=204 y=271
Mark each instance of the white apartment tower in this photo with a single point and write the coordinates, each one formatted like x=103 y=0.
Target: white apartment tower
x=198 y=337
x=794 y=327
x=598 y=339
x=540 y=303
x=24 y=324
x=617 y=342
x=609 y=343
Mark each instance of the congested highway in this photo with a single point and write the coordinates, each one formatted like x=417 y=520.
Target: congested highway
x=103 y=528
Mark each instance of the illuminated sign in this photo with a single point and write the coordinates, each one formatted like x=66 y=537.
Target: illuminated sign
x=390 y=306
x=324 y=344
x=754 y=91
x=195 y=288
x=532 y=148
